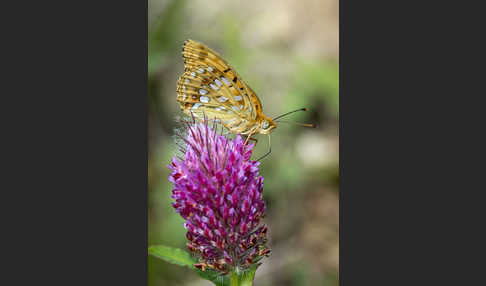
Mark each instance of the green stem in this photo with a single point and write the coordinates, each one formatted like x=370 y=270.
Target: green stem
x=234 y=281
x=242 y=278
x=247 y=278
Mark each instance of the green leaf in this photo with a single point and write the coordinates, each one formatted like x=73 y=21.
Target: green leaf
x=172 y=255
x=183 y=258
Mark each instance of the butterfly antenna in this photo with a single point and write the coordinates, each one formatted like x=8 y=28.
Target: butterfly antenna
x=269 y=149
x=311 y=125
x=285 y=114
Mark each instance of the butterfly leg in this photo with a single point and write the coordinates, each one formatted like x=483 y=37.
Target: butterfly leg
x=248 y=137
x=269 y=150
x=252 y=139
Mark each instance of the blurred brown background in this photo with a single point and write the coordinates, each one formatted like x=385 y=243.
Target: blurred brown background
x=287 y=51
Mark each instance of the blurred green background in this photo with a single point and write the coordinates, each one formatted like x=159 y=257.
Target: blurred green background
x=287 y=51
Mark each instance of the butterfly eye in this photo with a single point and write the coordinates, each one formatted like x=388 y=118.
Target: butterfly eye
x=265 y=124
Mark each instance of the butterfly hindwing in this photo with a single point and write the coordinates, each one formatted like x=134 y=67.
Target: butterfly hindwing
x=202 y=93
x=210 y=87
x=196 y=54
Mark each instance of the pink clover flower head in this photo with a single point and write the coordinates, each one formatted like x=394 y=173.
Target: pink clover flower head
x=218 y=191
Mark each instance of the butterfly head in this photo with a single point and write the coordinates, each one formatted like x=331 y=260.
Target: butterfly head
x=266 y=125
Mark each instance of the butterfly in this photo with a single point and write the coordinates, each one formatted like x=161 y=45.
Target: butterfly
x=210 y=88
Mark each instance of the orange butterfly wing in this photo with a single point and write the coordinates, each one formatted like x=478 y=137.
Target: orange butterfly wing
x=211 y=87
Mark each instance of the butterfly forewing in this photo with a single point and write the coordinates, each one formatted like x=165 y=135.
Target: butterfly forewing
x=211 y=87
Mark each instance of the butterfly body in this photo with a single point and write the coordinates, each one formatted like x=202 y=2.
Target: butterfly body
x=211 y=88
